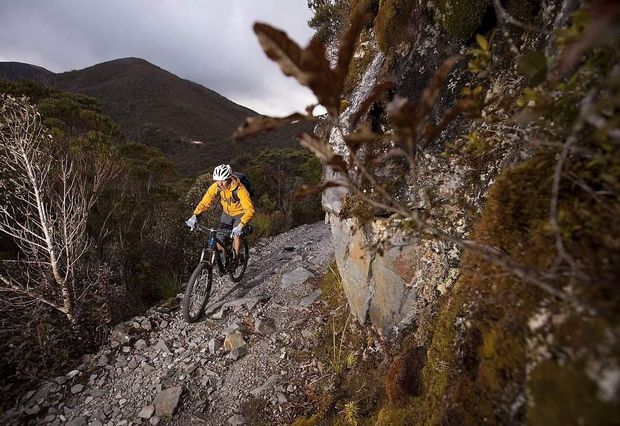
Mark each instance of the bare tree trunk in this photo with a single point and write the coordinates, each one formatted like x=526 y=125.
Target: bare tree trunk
x=46 y=213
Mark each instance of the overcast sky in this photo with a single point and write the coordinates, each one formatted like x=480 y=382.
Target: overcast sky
x=210 y=42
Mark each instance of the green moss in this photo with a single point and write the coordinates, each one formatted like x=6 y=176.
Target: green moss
x=461 y=18
x=391 y=23
x=564 y=395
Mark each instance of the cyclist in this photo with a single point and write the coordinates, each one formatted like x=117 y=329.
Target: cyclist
x=235 y=200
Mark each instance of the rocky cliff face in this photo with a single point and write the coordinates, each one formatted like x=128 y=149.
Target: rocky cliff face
x=475 y=331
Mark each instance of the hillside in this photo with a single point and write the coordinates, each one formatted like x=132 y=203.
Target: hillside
x=157 y=108
x=20 y=71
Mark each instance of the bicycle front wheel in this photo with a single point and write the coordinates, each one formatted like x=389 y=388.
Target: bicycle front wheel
x=197 y=292
x=236 y=273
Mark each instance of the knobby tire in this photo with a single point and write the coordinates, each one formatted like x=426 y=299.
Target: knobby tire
x=194 y=285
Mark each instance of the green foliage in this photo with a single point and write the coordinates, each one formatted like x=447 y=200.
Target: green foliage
x=461 y=18
x=277 y=174
x=480 y=57
x=329 y=18
x=533 y=65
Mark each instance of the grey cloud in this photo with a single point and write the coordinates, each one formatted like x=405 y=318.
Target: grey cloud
x=210 y=42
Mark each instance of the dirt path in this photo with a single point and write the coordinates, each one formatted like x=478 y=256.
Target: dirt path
x=157 y=364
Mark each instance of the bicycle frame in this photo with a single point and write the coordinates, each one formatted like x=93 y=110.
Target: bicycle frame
x=211 y=252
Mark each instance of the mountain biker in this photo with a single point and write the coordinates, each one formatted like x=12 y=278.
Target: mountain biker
x=235 y=200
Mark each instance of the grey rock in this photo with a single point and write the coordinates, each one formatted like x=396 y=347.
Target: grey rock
x=239 y=352
x=271 y=381
x=72 y=374
x=163 y=324
x=97 y=393
x=78 y=421
x=281 y=398
x=31 y=411
x=154 y=420
x=147 y=412
x=140 y=344
x=77 y=388
x=265 y=326
x=167 y=401
x=236 y=420
x=161 y=346
x=214 y=345
x=146 y=325
x=310 y=298
x=295 y=277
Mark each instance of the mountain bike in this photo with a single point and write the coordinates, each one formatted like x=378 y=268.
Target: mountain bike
x=216 y=254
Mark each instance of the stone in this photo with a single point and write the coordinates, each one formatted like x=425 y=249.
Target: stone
x=233 y=341
x=236 y=420
x=147 y=412
x=146 y=325
x=77 y=388
x=214 y=345
x=297 y=276
x=71 y=375
x=155 y=420
x=239 y=352
x=163 y=324
x=97 y=393
x=140 y=344
x=265 y=326
x=271 y=381
x=119 y=335
x=161 y=346
x=31 y=411
x=310 y=298
x=167 y=401
x=281 y=398
x=89 y=399
x=78 y=421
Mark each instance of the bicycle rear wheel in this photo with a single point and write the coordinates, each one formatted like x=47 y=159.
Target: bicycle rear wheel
x=197 y=292
x=236 y=273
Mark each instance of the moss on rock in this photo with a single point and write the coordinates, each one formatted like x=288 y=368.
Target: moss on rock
x=461 y=18
x=391 y=21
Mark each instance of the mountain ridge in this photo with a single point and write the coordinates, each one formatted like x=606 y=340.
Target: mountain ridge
x=190 y=123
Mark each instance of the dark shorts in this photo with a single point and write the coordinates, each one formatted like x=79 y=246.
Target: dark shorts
x=227 y=223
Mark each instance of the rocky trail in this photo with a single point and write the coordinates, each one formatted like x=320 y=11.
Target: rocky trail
x=243 y=357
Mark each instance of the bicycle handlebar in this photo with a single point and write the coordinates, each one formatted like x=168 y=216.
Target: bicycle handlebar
x=202 y=228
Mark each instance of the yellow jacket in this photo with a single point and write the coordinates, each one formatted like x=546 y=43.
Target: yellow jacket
x=229 y=204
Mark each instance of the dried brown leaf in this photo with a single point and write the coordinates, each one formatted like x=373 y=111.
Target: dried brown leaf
x=372 y=97
x=324 y=152
x=429 y=96
x=309 y=66
x=254 y=125
x=402 y=113
x=462 y=106
x=358 y=138
x=307 y=190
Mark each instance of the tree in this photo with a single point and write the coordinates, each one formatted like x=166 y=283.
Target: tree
x=47 y=194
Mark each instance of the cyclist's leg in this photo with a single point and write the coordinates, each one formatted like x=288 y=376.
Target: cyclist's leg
x=226 y=225
x=236 y=240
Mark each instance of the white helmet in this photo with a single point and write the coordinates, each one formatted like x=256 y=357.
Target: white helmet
x=222 y=172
